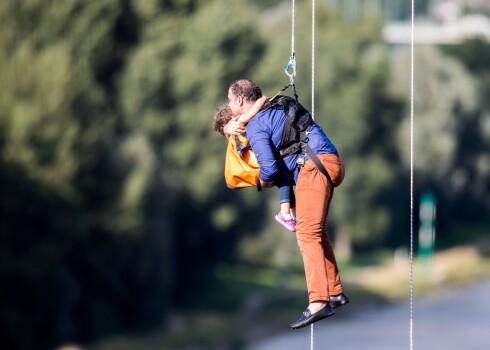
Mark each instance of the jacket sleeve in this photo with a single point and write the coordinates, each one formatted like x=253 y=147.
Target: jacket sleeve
x=259 y=136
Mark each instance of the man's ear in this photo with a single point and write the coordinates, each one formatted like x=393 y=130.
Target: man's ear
x=239 y=100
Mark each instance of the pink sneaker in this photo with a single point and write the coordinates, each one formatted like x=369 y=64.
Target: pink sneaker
x=289 y=224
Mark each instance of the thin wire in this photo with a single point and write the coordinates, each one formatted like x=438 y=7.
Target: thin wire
x=313 y=59
x=311 y=337
x=411 y=173
x=292 y=30
x=291 y=66
x=312 y=96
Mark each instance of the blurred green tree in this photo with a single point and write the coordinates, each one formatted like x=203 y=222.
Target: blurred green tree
x=105 y=134
x=74 y=179
x=114 y=207
x=168 y=89
x=451 y=132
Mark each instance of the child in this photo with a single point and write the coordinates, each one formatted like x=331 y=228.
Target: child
x=284 y=182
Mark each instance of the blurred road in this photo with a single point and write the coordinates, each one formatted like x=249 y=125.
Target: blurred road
x=458 y=319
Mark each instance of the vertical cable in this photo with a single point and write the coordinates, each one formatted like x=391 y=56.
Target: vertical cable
x=313 y=59
x=311 y=337
x=291 y=66
x=411 y=173
x=292 y=29
x=312 y=95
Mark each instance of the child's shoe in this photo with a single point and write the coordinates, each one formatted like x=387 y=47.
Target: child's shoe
x=289 y=224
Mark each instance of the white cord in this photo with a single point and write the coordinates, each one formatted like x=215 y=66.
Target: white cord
x=411 y=175
x=313 y=59
x=311 y=337
x=292 y=30
x=312 y=96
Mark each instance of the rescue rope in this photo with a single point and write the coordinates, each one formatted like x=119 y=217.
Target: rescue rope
x=411 y=173
x=292 y=29
x=312 y=100
x=311 y=337
x=291 y=66
x=313 y=59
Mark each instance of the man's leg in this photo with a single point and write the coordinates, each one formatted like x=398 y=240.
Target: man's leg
x=312 y=198
x=335 y=168
x=333 y=277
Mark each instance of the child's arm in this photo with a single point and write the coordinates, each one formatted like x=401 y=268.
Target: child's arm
x=245 y=117
x=233 y=127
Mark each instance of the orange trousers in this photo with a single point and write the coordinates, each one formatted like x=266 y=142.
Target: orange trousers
x=313 y=197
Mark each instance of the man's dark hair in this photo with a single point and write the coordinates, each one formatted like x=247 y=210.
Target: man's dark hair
x=247 y=89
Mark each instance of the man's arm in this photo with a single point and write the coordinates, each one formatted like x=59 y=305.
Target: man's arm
x=260 y=141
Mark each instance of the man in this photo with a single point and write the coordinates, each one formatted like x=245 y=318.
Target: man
x=313 y=194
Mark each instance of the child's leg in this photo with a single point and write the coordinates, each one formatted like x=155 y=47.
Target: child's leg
x=285 y=201
x=284 y=217
x=286 y=210
x=292 y=203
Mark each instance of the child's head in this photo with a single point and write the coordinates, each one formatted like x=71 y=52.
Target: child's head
x=222 y=115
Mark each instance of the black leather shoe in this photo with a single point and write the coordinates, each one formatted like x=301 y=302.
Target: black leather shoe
x=308 y=318
x=338 y=300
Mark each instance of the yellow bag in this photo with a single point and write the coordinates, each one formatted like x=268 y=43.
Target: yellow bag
x=241 y=166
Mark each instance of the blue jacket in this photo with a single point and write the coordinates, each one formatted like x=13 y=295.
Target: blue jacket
x=264 y=132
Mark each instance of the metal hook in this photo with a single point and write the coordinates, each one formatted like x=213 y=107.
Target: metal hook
x=291 y=66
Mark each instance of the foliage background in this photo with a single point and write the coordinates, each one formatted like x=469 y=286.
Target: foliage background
x=114 y=212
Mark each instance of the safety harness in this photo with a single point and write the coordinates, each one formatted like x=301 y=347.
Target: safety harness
x=297 y=126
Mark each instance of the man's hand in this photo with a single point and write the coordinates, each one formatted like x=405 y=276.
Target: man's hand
x=234 y=127
x=266 y=183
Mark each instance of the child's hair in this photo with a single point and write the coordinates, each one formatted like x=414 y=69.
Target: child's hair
x=222 y=115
